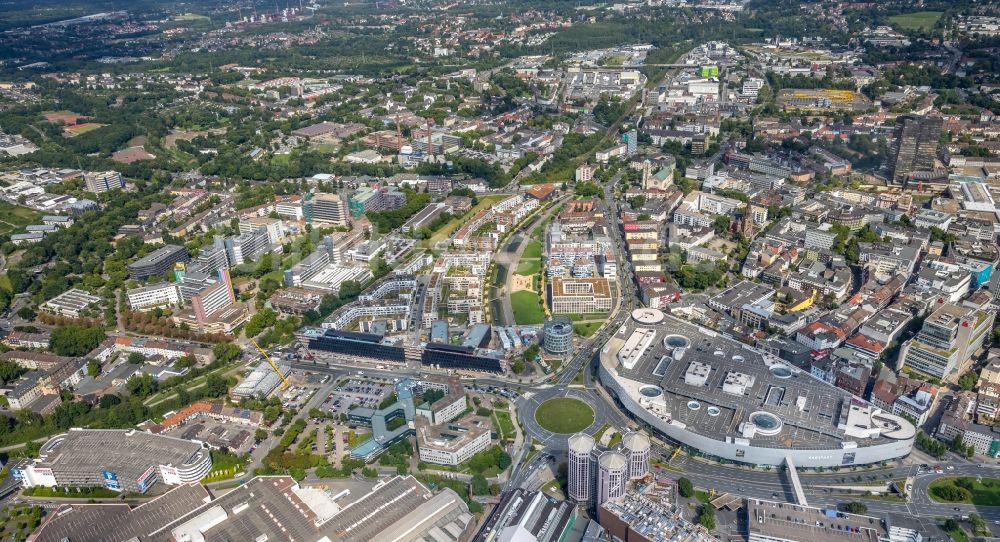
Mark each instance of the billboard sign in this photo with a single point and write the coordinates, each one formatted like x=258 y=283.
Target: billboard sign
x=111 y=480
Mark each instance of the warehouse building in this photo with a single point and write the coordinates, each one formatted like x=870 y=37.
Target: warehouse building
x=70 y=303
x=272 y=508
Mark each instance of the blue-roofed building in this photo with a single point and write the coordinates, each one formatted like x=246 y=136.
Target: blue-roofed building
x=340 y=344
x=439 y=331
x=382 y=419
x=478 y=337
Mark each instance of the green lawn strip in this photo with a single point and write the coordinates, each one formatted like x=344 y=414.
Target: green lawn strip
x=588 y=316
x=533 y=250
x=456 y=222
x=71 y=492
x=588 y=329
x=504 y=424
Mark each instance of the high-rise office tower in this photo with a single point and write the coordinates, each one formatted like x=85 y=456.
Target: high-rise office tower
x=637 y=446
x=915 y=147
x=580 y=447
x=612 y=472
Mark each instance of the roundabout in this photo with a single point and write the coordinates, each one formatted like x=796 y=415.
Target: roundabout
x=564 y=415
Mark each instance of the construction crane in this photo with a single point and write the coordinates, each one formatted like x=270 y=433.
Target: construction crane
x=274 y=365
x=674 y=455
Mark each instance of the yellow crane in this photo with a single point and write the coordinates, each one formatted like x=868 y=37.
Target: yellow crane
x=273 y=364
x=674 y=455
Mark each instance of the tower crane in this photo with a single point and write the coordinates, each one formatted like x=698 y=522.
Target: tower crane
x=274 y=365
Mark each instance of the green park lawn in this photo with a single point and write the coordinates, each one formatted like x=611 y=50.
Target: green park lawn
x=529 y=267
x=532 y=250
x=985 y=493
x=587 y=329
x=919 y=20
x=527 y=306
x=13 y=218
x=564 y=415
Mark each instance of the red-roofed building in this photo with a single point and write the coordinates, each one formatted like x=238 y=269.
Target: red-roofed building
x=820 y=336
x=541 y=192
x=865 y=346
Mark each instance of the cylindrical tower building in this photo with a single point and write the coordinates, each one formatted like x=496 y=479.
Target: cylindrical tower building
x=580 y=447
x=612 y=471
x=557 y=335
x=637 y=446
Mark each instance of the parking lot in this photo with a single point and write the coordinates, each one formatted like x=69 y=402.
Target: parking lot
x=217 y=434
x=296 y=396
x=510 y=395
x=357 y=392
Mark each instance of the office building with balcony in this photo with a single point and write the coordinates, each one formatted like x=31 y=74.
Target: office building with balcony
x=158 y=262
x=101 y=182
x=330 y=209
x=947 y=341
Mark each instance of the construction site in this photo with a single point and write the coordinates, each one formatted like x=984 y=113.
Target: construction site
x=822 y=99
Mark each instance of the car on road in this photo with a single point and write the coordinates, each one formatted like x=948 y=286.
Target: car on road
x=957 y=509
x=951 y=467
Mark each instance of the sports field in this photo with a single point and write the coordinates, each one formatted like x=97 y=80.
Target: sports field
x=919 y=20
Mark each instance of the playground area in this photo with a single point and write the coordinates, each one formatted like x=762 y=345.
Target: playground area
x=521 y=282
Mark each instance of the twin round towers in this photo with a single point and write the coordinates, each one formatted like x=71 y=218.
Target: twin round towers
x=600 y=475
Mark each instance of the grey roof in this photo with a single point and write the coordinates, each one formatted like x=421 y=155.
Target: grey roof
x=79 y=522
x=128 y=452
x=815 y=426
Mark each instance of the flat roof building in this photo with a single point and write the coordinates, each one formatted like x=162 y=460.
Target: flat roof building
x=70 y=303
x=451 y=443
x=158 y=262
x=272 y=508
x=580 y=295
x=100 y=182
x=118 y=459
x=784 y=522
x=774 y=412
x=329 y=209
x=161 y=294
x=947 y=341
